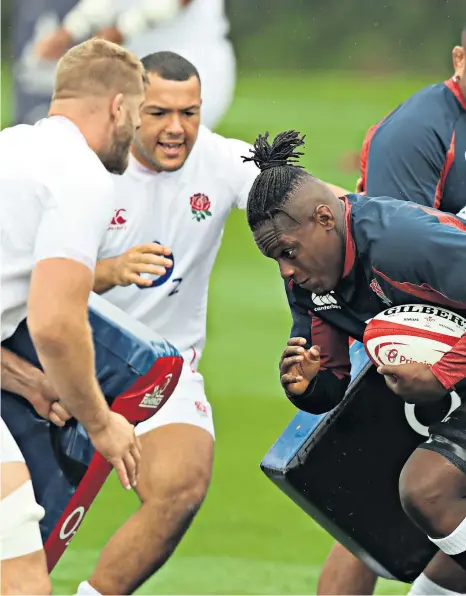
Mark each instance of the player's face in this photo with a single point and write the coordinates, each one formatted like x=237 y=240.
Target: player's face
x=309 y=253
x=459 y=64
x=115 y=155
x=170 y=119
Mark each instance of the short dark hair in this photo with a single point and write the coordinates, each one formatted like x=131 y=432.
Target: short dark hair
x=170 y=66
x=273 y=188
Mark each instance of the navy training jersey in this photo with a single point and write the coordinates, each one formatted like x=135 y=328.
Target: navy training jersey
x=396 y=254
x=418 y=151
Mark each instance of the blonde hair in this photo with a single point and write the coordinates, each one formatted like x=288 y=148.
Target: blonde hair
x=98 y=68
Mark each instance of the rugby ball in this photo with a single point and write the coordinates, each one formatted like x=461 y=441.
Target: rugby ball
x=412 y=333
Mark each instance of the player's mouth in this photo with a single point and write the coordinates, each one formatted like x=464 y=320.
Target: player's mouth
x=171 y=149
x=303 y=282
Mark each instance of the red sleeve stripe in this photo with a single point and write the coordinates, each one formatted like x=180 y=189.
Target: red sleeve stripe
x=449 y=159
x=444 y=218
x=364 y=157
x=424 y=292
x=453 y=86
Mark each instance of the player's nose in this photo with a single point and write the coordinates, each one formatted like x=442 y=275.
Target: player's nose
x=286 y=270
x=174 y=126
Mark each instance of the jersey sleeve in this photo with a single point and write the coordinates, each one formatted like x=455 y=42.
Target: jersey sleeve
x=329 y=386
x=426 y=259
x=242 y=174
x=403 y=158
x=76 y=213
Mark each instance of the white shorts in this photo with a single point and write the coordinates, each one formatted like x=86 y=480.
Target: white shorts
x=19 y=512
x=187 y=405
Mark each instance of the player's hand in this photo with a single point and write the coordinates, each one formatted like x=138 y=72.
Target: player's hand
x=414 y=382
x=45 y=401
x=298 y=366
x=111 y=34
x=53 y=46
x=147 y=258
x=118 y=443
x=359 y=186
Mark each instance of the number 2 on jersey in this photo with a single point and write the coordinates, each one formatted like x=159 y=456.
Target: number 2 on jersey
x=162 y=279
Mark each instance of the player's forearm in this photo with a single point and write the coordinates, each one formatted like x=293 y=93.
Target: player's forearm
x=66 y=353
x=323 y=393
x=105 y=275
x=19 y=376
x=450 y=370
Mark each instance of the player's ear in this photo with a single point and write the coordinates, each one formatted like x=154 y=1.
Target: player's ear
x=458 y=60
x=116 y=107
x=324 y=217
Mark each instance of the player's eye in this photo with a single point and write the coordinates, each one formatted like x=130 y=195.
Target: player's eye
x=189 y=113
x=157 y=114
x=288 y=253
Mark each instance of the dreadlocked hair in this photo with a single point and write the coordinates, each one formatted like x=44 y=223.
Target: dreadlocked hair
x=279 y=175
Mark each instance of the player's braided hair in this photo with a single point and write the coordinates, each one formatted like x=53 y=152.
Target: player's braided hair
x=278 y=178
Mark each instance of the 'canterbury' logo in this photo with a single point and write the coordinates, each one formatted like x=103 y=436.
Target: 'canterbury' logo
x=324 y=302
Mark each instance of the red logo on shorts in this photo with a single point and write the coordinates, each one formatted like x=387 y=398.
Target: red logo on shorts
x=118 y=220
x=201 y=408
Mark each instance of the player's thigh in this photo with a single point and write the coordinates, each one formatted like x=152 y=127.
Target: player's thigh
x=178 y=443
x=435 y=474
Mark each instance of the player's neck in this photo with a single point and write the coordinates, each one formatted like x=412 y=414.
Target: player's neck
x=142 y=162
x=83 y=120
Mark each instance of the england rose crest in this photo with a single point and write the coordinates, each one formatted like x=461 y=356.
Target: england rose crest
x=200 y=206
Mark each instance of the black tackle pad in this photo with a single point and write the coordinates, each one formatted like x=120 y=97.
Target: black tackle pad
x=342 y=468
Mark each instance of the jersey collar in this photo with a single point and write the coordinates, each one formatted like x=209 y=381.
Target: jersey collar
x=453 y=86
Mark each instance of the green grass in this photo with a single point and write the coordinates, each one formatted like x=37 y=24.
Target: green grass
x=249 y=538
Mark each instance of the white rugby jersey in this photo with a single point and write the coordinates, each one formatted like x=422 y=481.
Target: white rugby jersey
x=56 y=199
x=185 y=210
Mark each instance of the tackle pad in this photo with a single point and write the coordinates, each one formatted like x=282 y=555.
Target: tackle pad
x=342 y=468
x=137 y=371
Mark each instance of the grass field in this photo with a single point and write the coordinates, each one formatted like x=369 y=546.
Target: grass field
x=249 y=538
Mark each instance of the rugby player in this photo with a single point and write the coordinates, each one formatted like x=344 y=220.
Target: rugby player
x=181 y=184
x=56 y=196
x=324 y=244
x=196 y=29
x=416 y=153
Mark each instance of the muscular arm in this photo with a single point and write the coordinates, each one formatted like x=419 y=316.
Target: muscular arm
x=329 y=386
x=59 y=328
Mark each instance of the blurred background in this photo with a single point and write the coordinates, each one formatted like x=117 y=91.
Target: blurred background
x=329 y=69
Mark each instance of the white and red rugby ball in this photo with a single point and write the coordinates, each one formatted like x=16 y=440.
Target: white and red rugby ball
x=412 y=333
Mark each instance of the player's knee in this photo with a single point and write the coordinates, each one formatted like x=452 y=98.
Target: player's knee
x=424 y=495
x=182 y=495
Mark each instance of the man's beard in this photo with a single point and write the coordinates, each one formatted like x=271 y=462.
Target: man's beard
x=115 y=159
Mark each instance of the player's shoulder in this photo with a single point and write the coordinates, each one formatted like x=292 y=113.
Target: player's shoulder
x=432 y=109
x=393 y=231
x=223 y=150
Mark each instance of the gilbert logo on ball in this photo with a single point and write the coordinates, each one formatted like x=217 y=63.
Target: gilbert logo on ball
x=412 y=333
